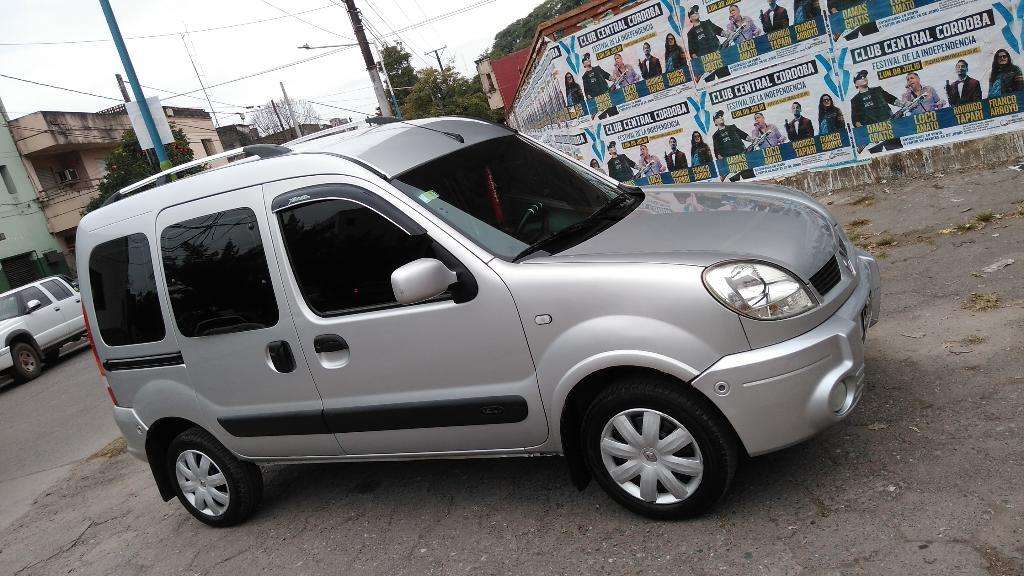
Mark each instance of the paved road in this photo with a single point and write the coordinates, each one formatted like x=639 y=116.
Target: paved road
x=923 y=478
x=48 y=425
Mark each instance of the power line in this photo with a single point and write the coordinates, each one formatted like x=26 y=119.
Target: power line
x=62 y=88
x=167 y=34
x=260 y=73
x=308 y=23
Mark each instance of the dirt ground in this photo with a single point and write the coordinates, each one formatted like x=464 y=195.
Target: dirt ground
x=925 y=477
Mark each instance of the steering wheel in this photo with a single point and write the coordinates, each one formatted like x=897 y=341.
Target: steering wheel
x=532 y=211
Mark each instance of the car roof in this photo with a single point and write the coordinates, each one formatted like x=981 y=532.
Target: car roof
x=370 y=152
x=27 y=284
x=394 y=148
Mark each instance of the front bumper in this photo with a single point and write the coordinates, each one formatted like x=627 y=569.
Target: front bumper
x=779 y=395
x=133 y=430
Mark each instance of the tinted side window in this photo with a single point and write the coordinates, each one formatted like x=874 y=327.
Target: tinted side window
x=217 y=274
x=32 y=293
x=124 y=292
x=343 y=254
x=59 y=291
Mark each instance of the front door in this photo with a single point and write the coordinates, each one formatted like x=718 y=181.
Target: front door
x=46 y=322
x=451 y=374
x=236 y=335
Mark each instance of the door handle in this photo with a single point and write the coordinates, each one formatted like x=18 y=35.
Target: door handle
x=57 y=309
x=329 y=343
x=281 y=356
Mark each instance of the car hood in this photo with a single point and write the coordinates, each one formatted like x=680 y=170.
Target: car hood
x=701 y=225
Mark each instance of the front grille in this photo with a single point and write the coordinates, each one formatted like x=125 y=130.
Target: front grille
x=826 y=278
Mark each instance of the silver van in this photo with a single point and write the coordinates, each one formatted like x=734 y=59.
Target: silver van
x=448 y=288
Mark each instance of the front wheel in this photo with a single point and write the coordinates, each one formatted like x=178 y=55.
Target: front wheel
x=26 y=362
x=211 y=483
x=657 y=449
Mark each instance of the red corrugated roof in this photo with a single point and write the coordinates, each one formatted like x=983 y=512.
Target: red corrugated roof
x=508 y=70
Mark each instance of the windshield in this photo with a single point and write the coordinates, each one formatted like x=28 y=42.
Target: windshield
x=513 y=197
x=9 y=307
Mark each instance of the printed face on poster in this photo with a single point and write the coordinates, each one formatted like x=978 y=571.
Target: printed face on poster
x=951 y=77
x=729 y=37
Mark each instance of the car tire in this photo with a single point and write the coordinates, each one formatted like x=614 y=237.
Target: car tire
x=683 y=465
x=27 y=365
x=211 y=483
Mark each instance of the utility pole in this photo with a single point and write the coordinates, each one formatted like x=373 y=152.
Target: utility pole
x=371 y=66
x=124 y=89
x=440 y=70
x=129 y=70
x=278 y=114
x=389 y=85
x=291 y=114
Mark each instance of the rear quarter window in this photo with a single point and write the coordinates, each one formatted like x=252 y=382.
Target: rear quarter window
x=124 y=292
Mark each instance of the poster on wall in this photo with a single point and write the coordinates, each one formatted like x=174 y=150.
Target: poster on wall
x=783 y=119
x=730 y=37
x=540 y=103
x=623 y=62
x=952 y=77
x=656 y=144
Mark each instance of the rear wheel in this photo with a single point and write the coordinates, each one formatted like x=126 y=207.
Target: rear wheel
x=26 y=362
x=211 y=483
x=657 y=449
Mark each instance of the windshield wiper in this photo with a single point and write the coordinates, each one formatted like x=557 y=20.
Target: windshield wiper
x=628 y=196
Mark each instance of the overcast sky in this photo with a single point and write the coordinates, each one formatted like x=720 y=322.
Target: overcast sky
x=338 y=79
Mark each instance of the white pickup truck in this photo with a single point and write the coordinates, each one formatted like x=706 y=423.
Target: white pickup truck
x=35 y=321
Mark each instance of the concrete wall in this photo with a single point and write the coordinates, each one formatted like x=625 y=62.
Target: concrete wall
x=999 y=151
x=490 y=83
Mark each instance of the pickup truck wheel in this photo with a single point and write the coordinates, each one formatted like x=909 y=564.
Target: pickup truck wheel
x=658 y=450
x=26 y=362
x=211 y=483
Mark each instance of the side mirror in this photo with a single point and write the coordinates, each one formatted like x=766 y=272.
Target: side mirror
x=421 y=280
x=33 y=305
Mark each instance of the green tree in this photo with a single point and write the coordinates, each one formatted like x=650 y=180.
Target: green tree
x=400 y=71
x=459 y=95
x=127 y=164
x=519 y=34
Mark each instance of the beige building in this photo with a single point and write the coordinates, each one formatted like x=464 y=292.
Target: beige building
x=64 y=154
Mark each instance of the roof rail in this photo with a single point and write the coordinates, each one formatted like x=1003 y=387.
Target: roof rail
x=348 y=127
x=259 y=150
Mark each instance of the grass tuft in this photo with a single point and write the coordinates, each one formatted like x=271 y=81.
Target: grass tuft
x=980 y=302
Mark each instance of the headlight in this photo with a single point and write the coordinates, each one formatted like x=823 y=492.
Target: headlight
x=759 y=291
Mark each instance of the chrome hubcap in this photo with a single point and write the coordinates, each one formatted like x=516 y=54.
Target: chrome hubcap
x=202 y=482
x=28 y=361
x=651 y=456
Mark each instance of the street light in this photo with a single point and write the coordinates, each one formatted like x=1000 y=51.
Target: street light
x=380 y=60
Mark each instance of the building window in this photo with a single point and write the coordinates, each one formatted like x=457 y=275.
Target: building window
x=7 y=180
x=490 y=82
x=208 y=147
